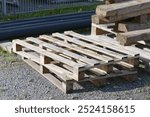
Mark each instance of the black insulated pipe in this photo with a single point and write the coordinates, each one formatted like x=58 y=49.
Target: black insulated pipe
x=37 y=26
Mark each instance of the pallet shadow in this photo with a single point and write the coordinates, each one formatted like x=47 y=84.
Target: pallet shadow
x=117 y=84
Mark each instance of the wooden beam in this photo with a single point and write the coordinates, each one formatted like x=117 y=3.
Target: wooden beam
x=121 y=11
x=122 y=8
x=130 y=26
x=133 y=37
x=101 y=42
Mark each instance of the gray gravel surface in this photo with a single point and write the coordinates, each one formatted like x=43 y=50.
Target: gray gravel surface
x=19 y=81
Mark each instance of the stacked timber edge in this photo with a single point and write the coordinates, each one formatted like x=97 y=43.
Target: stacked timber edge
x=68 y=58
x=127 y=15
x=128 y=22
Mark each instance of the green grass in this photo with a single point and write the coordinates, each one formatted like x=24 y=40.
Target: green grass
x=7 y=56
x=2 y=51
x=3 y=89
x=48 y=12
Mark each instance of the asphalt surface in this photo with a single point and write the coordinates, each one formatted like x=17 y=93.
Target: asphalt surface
x=19 y=81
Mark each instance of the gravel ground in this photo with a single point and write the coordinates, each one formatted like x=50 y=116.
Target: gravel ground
x=18 y=81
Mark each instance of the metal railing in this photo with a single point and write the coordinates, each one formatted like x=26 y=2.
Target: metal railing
x=8 y=7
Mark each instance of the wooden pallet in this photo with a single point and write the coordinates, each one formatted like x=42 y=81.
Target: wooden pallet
x=71 y=57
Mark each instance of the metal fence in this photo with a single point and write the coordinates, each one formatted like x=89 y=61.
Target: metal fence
x=8 y=7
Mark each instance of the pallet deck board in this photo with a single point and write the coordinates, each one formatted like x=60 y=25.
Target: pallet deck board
x=90 y=46
x=64 y=51
x=84 y=51
x=47 y=53
x=104 y=43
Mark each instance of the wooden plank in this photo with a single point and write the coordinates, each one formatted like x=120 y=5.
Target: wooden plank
x=102 y=43
x=115 y=43
x=47 y=53
x=90 y=46
x=28 y=56
x=78 y=49
x=119 y=73
x=143 y=54
x=97 y=31
x=131 y=26
x=127 y=16
x=64 y=51
x=61 y=72
x=124 y=8
x=102 y=29
x=133 y=37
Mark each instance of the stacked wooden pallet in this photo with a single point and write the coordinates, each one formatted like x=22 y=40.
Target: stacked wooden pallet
x=129 y=22
x=71 y=57
x=127 y=16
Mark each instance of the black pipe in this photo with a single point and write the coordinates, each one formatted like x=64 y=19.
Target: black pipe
x=50 y=17
x=39 y=24
x=50 y=20
x=36 y=26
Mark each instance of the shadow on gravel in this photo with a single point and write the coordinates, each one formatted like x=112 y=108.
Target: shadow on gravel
x=117 y=84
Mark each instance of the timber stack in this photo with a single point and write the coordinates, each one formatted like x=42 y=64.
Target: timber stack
x=129 y=22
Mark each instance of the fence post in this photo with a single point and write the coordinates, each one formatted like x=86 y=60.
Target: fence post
x=4 y=9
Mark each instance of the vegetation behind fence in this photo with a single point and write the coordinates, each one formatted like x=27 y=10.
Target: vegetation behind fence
x=9 y=7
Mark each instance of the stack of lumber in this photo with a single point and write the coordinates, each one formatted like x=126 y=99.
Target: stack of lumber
x=124 y=10
x=129 y=22
x=68 y=58
x=128 y=15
